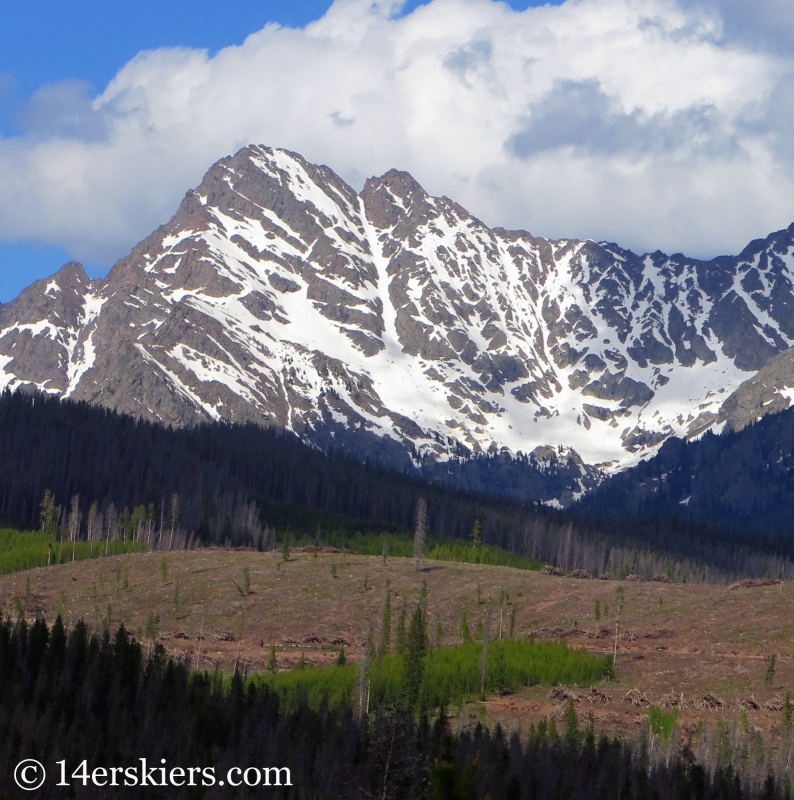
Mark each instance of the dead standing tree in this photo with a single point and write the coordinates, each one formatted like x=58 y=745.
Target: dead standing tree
x=486 y=637
x=420 y=531
x=620 y=602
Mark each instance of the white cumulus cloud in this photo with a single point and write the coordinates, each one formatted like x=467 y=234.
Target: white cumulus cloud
x=654 y=123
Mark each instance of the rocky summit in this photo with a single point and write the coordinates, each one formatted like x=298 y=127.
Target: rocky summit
x=398 y=326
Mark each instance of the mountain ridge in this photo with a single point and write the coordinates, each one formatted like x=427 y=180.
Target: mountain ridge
x=397 y=326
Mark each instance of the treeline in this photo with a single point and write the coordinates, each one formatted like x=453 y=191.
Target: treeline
x=216 y=470
x=70 y=696
x=246 y=485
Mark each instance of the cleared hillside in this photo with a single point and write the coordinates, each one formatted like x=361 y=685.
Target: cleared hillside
x=674 y=639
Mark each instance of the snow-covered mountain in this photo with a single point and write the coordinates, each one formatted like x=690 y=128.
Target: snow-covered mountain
x=398 y=325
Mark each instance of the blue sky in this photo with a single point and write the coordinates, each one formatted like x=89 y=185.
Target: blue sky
x=47 y=41
x=654 y=123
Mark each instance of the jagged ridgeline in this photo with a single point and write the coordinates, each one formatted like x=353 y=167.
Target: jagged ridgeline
x=248 y=485
x=395 y=325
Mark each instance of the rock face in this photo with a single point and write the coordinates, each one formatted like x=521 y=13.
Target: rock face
x=397 y=325
x=769 y=391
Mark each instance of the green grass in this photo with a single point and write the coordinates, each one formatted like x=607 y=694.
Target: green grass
x=451 y=675
x=436 y=548
x=20 y=550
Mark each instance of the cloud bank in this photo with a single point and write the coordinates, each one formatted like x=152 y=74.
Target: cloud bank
x=654 y=123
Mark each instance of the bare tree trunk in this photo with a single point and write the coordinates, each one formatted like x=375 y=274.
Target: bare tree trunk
x=615 y=656
x=200 y=637
x=420 y=531
x=486 y=635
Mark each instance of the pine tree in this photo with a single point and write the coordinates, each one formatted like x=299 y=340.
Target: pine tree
x=463 y=628
x=476 y=534
x=271 y=660
x=244 y=587
x=399 y=639
x=499 y=676
x=769 y=677
x=416 y=648
x=48 y=514
x=572 y=735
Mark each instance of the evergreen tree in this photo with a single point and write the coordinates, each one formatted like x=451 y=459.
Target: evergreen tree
x=464 y=634
x=400 y=636
x=415 y=651
x=499 y=674
x=476 y=533
x=572 y=735
x=769 y=676
x=48 y=515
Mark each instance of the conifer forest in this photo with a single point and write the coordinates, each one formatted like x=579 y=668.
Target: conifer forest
x=401 y=708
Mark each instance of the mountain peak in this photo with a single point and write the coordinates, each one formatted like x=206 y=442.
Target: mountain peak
x=391 y=197
x=395 y=325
